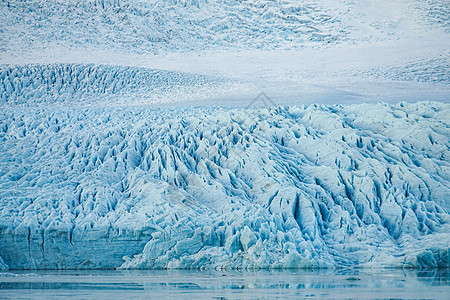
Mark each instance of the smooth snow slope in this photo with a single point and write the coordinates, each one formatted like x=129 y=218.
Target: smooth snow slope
x=290 y=187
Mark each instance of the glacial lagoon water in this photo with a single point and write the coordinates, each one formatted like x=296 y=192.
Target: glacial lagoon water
x=190 y=284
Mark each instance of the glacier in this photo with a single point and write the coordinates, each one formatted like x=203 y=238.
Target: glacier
x=128 y=138
x=282 y=187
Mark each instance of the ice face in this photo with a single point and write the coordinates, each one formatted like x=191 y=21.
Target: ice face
x=284 y=187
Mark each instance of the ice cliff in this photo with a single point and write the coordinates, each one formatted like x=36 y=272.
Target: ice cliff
x=280 y=187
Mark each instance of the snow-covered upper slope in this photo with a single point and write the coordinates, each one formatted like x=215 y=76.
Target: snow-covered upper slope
x=321 y=50
x=161 y=26
x=186 y=25
x=296 y=187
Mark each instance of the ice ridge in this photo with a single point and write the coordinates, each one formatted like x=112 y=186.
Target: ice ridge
x=88 y=84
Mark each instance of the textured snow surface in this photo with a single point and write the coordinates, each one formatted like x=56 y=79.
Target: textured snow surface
x=160 y=26
x=285 y=187
x=154 y=26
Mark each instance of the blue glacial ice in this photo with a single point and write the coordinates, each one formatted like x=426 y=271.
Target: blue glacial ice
x=282 y=187
x=87 y=85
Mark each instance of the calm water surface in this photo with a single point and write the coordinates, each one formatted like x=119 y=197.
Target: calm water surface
x=186 y=284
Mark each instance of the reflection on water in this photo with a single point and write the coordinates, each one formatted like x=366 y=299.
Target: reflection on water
x=273 y=284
